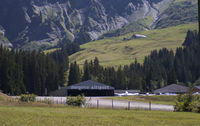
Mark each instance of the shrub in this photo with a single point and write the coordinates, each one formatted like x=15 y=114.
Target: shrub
x=187 y=103
x=76 y=101
x=28 y=98
x=195 y=105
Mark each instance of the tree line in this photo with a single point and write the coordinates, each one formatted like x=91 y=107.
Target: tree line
x=160 y=68
x=39 y=73
x=33 y=72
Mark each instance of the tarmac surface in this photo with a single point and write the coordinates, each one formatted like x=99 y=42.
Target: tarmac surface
x=101 y=102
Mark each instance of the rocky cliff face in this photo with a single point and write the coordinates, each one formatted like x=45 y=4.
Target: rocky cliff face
x=3 y=40
x=33 y=24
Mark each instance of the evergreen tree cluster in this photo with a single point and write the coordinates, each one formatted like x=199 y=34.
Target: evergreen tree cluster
x=191 y=38
x=70 y=47
x=34 y=72
x=159 y=69
x=31 y=72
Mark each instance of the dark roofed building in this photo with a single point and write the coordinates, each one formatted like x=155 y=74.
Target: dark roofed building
x=196 y=89
x=90 y=88
x=173 y=88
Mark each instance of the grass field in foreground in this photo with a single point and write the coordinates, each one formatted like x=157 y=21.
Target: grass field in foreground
x=158 y=99
x=40 y=114
x=114 y=51
x=69 y=116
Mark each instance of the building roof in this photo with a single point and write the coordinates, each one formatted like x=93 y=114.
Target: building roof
x=173 y=88
x=138 y=36
x=90 y=85
x=198 y=87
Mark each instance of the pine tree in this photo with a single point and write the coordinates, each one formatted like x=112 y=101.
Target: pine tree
x=74 y=74
x=120 y=80
x=86 y=72
x=171 y=77
x=96 y=67
x=19 y=74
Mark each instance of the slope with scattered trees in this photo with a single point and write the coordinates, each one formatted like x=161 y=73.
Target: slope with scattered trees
x=159 y=69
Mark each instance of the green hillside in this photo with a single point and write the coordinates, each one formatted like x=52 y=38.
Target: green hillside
x=115 y=51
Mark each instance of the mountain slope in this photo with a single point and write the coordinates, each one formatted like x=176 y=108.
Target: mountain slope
x=179 y=12
x=39 y=24
x=3 y=40
x=115 y=51
x=175 y=13
x=42 y=24
x=135 y=26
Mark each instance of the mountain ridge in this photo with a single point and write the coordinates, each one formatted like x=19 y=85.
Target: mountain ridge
x=42 y=24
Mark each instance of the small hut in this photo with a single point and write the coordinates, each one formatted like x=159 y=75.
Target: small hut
x=90 y=88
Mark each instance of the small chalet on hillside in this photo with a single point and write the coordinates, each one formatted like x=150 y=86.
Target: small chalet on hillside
x=172 y=89
x=90 y=88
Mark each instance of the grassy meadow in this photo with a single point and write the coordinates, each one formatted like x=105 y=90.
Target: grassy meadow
x=50 y=50
x=114 y=51
x=157 y=99
x=70 y=116
x=40 y=114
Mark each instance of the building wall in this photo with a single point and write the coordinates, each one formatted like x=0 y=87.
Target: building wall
x=90 y=92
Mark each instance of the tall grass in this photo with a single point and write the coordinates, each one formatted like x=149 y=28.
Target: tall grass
x=70 y=116
x=15 y=113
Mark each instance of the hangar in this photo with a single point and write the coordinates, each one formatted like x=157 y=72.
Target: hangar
x=90 y=88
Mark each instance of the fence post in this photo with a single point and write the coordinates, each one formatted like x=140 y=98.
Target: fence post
x=97 y=103
x=38 y=121
x=112 y=104
x=150 y=105
x=129 y=105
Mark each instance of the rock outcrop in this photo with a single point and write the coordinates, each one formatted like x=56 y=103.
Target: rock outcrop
x=39 y=24
x=3 y=40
